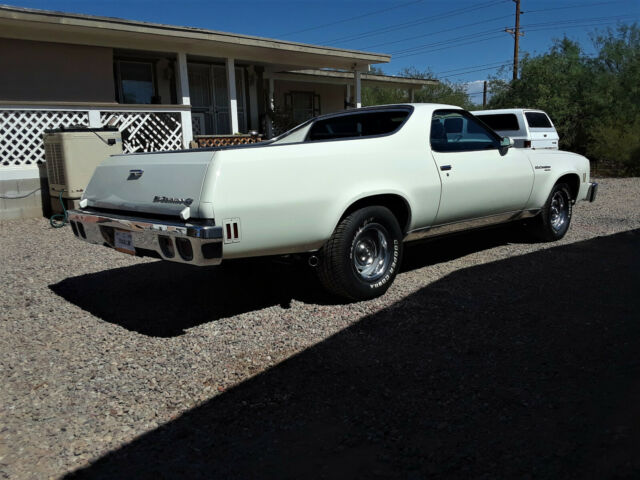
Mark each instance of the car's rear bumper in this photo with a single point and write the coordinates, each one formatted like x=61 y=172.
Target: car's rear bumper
x=178 y=242
x=593 y=190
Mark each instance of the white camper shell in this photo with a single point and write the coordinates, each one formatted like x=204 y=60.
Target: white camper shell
x=528 y=128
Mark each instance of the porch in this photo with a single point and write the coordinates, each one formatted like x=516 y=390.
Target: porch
x=160 y=85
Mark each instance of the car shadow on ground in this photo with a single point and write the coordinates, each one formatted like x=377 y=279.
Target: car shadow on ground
x=163 y=299
x=521 y=368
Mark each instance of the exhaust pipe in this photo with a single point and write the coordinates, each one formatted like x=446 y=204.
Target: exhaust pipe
x=313 y=261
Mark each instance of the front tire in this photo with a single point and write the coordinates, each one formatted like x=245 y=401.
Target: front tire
x=361 y=259
x=554 y=220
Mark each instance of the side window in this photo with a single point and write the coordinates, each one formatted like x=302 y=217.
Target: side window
x=354 y=125
x=459 y=131
x=501 y=121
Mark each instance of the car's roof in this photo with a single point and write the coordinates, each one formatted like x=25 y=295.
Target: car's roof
x=508 y=110
x=373 y=108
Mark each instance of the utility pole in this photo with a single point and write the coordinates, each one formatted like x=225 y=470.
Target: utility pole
x=484 y=95
x=516 y=35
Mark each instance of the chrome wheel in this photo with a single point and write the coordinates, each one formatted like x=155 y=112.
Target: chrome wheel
x=370 y=251
x=559 y=211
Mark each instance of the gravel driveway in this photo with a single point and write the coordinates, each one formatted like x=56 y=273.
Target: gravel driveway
x=490 y=357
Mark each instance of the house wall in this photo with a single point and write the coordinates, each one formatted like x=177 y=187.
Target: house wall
x=331 y=96
x=43 y=71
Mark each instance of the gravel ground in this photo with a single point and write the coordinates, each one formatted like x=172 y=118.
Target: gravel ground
x=489 y=357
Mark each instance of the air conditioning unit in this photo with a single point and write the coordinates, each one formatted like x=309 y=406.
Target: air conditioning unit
x=72 y=155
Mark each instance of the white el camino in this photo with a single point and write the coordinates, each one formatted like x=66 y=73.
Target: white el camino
x=345 y=190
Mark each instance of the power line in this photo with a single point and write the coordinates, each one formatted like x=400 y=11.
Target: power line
x=578 y=5
x=449 y=46
x=472 y=66
x=412 y=23
x=504 y=64
x=357 y=17
x=455 y=41
x=435 y=33
x=447 y=41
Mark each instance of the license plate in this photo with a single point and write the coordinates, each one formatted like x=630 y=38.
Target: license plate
x=123 y=242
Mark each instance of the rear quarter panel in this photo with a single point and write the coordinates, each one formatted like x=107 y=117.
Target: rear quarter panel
x=289 y=198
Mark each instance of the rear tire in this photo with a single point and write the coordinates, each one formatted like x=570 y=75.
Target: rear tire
x=553 y=221
x=361 y=259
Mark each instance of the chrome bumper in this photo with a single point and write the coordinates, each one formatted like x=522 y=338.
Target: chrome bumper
x=593 y=190
x=177 y=242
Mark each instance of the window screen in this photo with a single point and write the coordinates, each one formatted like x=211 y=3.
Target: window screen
x=365 y=124
x=538 y=120
x=501 y=121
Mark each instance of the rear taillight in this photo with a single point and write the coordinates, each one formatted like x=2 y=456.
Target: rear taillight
x=527 y=144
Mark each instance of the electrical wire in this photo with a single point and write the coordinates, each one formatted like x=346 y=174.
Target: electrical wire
x=349 y=19
x=435 y=33
x=497 y=64
x=59 y=220
x=476 y=70
x=578 y=5
x=488 y=32
x=456 y=42
x=412 y=23
x=5 y=197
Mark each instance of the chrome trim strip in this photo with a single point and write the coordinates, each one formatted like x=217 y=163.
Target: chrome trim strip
x=479 y=222
x=146 y=231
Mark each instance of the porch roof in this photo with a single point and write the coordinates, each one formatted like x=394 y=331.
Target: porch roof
x=61 y=27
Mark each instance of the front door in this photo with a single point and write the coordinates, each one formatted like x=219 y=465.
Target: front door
x=210 y=99
x=478 y=177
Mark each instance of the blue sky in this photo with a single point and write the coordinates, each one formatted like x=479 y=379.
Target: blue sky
x=460 y=40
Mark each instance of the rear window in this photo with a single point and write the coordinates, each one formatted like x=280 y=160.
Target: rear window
x=538 y=120
x=501 y=121
x=365 y=124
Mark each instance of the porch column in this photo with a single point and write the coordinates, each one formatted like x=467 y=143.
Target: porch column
x=271 y=106
x=412 y=95
x=358 y=89
x=253 y=99
x=94 y=119
x=233 y=99
x=348 y=96
x=184 y=98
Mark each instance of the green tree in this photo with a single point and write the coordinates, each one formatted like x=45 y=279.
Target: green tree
x=593 y=101
x=441 y=92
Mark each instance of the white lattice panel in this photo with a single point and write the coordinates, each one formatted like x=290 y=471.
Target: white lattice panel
x=21 y=133
x=146 y=132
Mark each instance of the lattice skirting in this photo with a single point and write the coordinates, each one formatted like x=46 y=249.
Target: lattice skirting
x=21 y=133
x=146 y=132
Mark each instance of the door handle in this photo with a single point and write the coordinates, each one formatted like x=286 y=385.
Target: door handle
x=445 y=167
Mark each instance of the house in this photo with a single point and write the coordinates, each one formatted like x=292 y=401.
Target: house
x=160 y=84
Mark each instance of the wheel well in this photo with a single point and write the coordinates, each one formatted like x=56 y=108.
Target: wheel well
x=573 y=181
x=398 y=206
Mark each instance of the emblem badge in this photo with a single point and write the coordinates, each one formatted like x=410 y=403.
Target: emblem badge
x=135 y=174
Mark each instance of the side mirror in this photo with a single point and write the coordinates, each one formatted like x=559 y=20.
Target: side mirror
x=507 y=142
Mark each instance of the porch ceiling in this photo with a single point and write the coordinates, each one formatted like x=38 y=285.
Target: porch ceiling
x=43 y=25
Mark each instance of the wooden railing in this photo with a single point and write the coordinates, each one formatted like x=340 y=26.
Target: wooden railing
x=203 y=141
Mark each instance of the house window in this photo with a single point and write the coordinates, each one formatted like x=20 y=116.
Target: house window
x=136 y=82
x=302 y=105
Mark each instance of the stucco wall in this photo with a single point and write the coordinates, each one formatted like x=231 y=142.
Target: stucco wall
x=41 y=71
x=331 y=96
